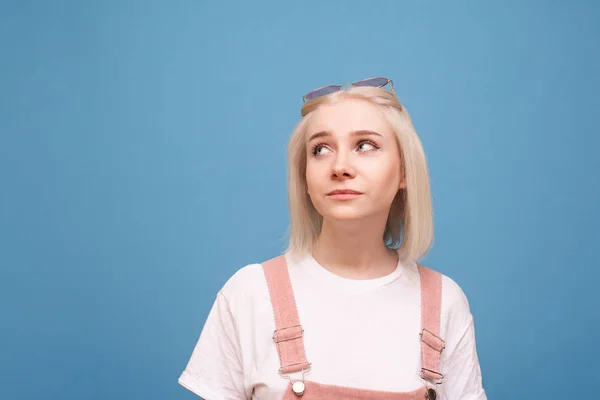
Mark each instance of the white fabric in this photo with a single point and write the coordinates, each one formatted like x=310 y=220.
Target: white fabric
x=358 y=333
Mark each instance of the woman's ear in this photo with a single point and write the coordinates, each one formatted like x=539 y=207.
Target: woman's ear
x=402 y=184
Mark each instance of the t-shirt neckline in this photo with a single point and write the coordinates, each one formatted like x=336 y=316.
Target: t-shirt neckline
x=334 y=281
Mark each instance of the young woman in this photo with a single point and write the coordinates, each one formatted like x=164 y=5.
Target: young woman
x=345 y=312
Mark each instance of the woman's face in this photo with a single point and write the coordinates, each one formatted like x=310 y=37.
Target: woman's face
x=350 y=146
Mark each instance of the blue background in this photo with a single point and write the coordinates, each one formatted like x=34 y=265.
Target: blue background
x=142 y=162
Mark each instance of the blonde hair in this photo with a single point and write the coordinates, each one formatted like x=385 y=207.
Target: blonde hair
x=409 y=228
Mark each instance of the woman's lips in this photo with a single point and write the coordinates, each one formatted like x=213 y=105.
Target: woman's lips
x=344 y=194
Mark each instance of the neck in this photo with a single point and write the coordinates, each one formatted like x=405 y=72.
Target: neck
x=354 y=250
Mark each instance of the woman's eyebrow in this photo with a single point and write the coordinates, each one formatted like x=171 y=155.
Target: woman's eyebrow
x=362 y=132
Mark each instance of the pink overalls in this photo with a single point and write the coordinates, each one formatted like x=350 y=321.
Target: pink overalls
x=288 y=337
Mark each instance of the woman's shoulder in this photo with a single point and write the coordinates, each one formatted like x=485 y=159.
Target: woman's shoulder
x=246 y=285
x=453 y=296
x=455 y=307
x=244 y=280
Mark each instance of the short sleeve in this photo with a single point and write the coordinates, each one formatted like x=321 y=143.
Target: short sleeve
x=460 y=366
x=214 y=371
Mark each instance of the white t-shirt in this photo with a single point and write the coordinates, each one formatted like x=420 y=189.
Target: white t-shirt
x=357 y=333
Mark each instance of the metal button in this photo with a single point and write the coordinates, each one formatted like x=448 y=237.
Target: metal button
x=298 y=388
x=431 y=394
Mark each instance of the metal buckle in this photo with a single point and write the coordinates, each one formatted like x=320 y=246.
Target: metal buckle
x=298 y=386
x=435 y=336
x=285 y=339
x=431 y=394
x=304 y=371
x=439 y=374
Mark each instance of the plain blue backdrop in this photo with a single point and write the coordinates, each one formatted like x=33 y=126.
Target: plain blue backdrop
x=142 y=163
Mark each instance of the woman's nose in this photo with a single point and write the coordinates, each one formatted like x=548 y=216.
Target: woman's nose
x=342 y=168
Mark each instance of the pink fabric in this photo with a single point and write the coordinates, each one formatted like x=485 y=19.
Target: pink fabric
x=431 y=344
x=318 y=391
x=290 y=342
x=288 y=332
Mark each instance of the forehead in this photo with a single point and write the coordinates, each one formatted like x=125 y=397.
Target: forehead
x=346 y=116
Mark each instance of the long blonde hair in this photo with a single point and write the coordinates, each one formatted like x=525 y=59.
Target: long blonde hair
x=409 y=228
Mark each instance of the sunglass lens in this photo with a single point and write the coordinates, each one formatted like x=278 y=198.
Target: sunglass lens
x=377 y=82
x=322 y=92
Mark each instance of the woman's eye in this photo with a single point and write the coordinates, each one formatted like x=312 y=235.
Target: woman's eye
x=367 y=144
x=316 y=149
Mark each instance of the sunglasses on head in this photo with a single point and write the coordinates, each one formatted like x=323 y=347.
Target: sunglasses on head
x=374 y=82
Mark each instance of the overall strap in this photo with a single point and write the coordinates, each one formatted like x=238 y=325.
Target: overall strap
x=288 y=333
x=431 y=343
